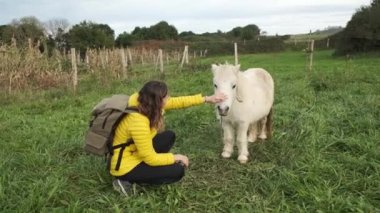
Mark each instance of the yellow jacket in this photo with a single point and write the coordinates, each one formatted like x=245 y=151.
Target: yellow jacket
x=136 y=126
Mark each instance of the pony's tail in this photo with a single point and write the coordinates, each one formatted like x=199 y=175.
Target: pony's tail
x=269 y=124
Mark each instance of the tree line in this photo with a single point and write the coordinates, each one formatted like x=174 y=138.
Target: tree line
x=87 y=34
x=361 y=34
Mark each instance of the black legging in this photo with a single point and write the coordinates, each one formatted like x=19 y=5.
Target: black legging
x=144 y=173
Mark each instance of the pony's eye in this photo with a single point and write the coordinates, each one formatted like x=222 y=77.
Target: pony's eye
x=233 y=87
x=216 y=86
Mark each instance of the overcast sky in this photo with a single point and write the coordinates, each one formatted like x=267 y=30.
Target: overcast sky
x=273 y=16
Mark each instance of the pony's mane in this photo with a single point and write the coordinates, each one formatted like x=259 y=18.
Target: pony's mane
x=226 y=69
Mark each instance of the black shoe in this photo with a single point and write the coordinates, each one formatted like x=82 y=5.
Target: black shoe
x=123 y=187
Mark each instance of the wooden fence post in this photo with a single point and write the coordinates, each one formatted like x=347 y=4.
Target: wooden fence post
x=30 y=45
x=106 y=54
x=75 y=70
x=311 y=49
x=161 y=61
x=102 y=59
x=14 y=42
x=130 y=56
x=184 y=57
x=187 y=54
x=236 y=54
x=10 y=83
x=123 y=63
x=87 y=59
x=58 y=55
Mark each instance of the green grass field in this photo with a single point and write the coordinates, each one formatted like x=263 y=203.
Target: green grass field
x=324 y=156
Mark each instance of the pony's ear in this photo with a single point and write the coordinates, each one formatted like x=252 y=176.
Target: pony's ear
x=214 y=67
x=239 y=91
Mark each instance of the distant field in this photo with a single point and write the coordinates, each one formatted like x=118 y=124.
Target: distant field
x=307 y=37
x=324 y=156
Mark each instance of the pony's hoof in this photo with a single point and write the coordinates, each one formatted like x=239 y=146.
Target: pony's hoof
x=226 y=155
x=242 y=159
x=262 y=137
x=251 y=140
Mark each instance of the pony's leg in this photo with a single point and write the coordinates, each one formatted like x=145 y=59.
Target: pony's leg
x=242 y=142
x=263 y=132
x=252 y=132
x=228 y=140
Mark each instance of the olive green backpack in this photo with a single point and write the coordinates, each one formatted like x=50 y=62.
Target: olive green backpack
x=106 y=116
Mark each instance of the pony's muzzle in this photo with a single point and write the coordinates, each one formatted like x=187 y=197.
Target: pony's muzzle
x=223 y=111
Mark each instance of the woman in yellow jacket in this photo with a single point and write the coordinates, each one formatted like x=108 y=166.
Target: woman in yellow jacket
x=141 y=155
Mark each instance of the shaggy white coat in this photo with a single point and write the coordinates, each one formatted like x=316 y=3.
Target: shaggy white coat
x=250 y=96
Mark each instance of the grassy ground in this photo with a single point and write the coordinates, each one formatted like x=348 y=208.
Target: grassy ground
x=325 y=154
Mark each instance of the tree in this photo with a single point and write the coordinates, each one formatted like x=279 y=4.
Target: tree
x=362 y=31
x=186 y=33
x=53 y=26
x=250 y=32
x=90 y=35
x=5 y=33
x=141 y=33
x=163 y=31
x=123 y=40
x=21 y=30
x=159 y=31
x=61 y=40
x=236 y=32
x=51 y=45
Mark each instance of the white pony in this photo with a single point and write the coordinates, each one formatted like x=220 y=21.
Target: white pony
x=248 y=105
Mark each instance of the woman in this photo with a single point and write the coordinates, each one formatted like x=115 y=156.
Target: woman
x=141 y=155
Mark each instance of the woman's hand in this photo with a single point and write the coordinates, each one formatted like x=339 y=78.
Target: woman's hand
x=182 y=159
x=216 y=98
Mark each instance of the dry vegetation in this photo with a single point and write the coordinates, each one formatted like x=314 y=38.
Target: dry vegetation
x=29 y=69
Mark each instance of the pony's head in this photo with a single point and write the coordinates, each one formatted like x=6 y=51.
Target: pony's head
x=226 y=81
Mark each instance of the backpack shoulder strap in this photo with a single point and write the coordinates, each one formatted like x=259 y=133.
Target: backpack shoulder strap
x=116 y=102
x=130 y=110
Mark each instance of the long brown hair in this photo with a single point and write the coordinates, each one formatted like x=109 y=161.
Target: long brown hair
x=151 y=97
